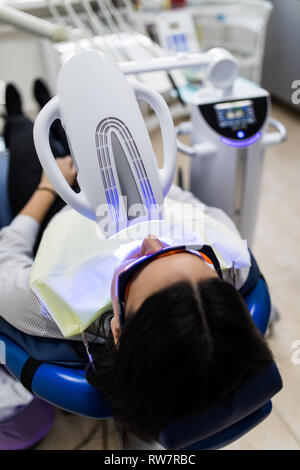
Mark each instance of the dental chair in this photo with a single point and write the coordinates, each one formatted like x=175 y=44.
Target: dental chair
x=52 y=371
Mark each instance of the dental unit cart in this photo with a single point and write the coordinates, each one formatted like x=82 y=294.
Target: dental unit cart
x=228 y=134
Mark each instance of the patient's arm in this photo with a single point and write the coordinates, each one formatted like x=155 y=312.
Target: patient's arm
x=19 y=306
x=38 y=205
x=44 y=196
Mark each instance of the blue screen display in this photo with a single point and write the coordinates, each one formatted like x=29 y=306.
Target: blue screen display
x=236 y=114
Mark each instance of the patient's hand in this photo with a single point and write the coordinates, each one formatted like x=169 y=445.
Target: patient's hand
x=41 y=201
x=67 y=168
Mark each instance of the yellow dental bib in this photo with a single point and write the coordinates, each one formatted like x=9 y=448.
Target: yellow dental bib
x=74 y=264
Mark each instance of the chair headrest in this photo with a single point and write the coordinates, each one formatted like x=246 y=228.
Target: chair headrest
x=253 y=393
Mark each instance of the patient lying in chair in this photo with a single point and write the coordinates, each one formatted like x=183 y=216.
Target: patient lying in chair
x=173 y=333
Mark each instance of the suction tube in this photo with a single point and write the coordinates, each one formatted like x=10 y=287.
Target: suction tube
x=33 y=25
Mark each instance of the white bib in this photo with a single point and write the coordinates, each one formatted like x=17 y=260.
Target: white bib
x=74 y=265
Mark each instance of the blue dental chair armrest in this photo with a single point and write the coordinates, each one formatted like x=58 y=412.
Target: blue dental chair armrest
x=259 y=305
x=5 y=211
x=61 y=386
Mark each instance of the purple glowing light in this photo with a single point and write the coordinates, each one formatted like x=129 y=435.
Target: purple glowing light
x=240 y=144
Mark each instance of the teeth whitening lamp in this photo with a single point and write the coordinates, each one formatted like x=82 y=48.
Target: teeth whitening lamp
x=117 y=169
x=112 y=151
x=108 y=139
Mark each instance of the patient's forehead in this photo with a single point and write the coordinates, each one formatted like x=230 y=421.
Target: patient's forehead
x=163 y=272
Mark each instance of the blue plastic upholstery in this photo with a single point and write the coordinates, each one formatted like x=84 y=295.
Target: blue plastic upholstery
x=254 y=393
x=51 y=350
x=61 y=386
x=233 y=432
x=259 y=305
x=5 y=211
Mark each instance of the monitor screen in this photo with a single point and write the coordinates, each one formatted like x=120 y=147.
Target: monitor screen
x=236 y=114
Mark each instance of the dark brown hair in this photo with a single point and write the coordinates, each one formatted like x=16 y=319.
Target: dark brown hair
x=186 y=348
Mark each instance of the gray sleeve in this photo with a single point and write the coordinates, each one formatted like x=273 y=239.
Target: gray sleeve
x=16 y=248
x=19 y=305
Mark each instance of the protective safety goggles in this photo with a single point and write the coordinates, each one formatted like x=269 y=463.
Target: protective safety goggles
x=204 y=252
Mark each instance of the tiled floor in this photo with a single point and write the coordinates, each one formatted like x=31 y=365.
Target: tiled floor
x=277 y=249
x=75 y=432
